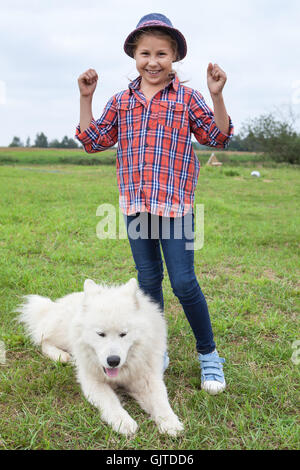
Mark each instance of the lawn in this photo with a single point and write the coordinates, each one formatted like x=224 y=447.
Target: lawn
x=248 y=270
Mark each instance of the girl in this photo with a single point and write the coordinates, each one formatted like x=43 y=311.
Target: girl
x=157 y=169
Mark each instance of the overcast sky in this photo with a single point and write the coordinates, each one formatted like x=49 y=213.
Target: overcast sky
x=45 y=45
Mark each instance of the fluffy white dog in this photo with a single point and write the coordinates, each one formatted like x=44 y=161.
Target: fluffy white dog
x=116 y=337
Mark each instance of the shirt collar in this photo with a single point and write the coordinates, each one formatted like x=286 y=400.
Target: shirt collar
x=135 y=84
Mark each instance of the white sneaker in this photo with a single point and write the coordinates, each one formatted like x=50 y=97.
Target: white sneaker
x=212 y=375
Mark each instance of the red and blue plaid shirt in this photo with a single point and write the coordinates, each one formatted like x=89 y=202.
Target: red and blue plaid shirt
x=157 y=169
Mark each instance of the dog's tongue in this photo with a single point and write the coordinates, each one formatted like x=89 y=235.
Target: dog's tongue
x=112 y=372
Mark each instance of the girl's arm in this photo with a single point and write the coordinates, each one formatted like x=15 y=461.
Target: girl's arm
x=216 y=79
x=86 y=114
x=214 y=129
x=99 y=135
x=87 y=83
x=221 y=116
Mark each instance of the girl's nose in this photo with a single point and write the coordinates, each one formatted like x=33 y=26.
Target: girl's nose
x=152 y=60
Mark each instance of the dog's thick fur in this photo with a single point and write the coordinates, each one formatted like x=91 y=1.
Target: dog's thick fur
x=101 y=324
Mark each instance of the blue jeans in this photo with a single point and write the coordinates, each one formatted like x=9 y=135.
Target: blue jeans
x=146 y=232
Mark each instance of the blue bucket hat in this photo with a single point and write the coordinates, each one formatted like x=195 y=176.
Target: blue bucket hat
x=161 y=21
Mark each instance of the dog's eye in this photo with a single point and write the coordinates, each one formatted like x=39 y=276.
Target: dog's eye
x=101 y=334
x=123 y=334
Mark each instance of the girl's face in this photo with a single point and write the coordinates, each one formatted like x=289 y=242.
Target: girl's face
x=154 y=56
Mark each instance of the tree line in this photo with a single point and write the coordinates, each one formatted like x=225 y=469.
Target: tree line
x=275 y=137
x=41 y=141
x=266 y=134
x=271 y=135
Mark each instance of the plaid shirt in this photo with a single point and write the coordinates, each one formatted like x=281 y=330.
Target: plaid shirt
x=157 y=169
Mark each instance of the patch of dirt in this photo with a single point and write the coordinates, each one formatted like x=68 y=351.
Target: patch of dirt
x=269 y=274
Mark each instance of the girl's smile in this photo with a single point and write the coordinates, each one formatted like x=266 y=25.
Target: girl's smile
x=154 y=57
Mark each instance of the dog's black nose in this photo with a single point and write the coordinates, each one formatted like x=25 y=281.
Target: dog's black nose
x=113 y=361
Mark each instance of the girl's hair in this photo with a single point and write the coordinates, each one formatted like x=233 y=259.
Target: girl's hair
x=156 y=31
x=159 y=32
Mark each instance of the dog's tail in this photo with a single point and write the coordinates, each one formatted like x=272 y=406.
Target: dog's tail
x=33 y=312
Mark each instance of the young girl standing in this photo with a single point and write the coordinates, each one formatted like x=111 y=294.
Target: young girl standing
x=157 y=169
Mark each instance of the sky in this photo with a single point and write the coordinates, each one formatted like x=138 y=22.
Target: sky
x=46 y=44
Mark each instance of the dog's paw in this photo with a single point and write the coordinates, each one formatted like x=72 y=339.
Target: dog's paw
x=64 y=357
x=170 y=425
x=125 y=425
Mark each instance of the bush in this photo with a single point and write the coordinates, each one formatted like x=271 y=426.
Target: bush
x=285 y=149
x=276 y=138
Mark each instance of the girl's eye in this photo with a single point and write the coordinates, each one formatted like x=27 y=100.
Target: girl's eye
x=123 y=334
x=101 y=334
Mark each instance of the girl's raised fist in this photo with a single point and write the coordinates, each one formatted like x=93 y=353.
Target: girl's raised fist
x=87 y=82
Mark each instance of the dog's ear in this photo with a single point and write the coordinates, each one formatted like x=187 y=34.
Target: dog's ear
x=131 y=285
x=131 y=288
x=90 y=287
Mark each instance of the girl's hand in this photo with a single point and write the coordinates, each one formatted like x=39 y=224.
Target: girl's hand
x=216 y=79
x=87 y=83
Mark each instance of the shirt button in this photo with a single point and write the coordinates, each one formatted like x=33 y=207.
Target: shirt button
x=147 y=128
x=146 y=145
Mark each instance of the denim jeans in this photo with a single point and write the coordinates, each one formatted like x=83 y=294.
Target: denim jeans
x=146 y=233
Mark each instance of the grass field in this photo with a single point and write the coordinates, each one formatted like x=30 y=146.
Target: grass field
x=248 y=270
x=49 y=156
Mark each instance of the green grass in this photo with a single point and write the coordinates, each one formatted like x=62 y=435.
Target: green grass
x=248 y=270
x=52 y=156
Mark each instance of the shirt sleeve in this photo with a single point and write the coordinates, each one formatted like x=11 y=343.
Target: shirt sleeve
x=203 y=126
x=102 y=133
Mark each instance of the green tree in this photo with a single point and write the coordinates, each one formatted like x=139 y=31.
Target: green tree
x=237 y=143
x=16 y=142
x=68 y=143
x=41 y=140
x=272 y=136
x=54 y=144
x=65 y=143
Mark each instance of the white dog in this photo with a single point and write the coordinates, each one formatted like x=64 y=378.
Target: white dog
x=116 y=336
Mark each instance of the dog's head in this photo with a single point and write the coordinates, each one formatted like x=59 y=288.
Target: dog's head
x=111 y=323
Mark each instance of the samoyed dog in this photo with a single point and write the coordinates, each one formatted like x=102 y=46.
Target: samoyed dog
x=116 y=336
